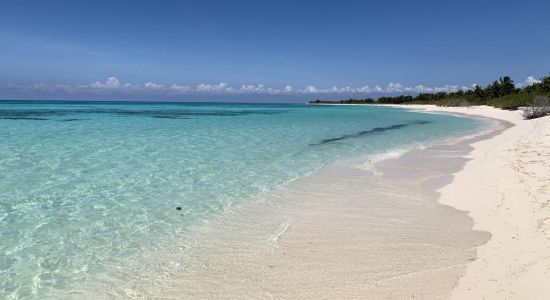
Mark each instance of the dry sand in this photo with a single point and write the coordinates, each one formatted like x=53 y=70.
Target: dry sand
x=505 y=187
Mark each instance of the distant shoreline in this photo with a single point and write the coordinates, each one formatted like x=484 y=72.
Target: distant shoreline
x=501 y=93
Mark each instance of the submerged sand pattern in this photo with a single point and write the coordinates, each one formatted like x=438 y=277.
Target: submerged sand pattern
x=341 y=232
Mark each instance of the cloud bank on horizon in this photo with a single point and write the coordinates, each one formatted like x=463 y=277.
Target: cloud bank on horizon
x=262 y=51
x=115 y=87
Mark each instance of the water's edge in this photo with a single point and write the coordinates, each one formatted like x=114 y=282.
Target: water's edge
x=268 y=226
x=89 y=191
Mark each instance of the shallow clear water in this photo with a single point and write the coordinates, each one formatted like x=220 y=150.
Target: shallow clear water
x=89 y=187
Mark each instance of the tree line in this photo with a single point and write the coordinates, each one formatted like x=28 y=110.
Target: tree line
x=500 y=93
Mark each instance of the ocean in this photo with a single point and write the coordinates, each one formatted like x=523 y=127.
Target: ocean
x=91 y=190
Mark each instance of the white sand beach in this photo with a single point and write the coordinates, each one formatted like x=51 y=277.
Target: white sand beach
x=407 y=234
x=505 y=188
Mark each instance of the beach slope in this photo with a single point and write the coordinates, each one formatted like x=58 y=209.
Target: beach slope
x=505 y=187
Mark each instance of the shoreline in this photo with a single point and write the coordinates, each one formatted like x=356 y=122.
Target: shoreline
x=427 y=230
x=343 y=231
x=505 y=189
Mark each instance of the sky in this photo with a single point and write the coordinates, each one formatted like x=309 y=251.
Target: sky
x=265 y=51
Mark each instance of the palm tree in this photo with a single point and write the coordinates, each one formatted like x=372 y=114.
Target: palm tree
x=507 y=86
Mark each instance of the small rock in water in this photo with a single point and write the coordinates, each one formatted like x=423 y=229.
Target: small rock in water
x=178 y=208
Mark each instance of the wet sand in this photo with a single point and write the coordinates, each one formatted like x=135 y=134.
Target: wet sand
x=505 y=187
x=354 y=229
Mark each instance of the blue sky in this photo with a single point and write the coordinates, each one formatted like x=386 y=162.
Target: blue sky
x=265 y=50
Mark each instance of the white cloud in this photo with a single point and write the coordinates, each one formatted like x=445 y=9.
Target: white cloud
x=530 y=80
x=153 y=86
x=310 y=89
x=423 y=89
x=256 y=89
x=112 y=83
x=364 y=89
x=114 y=86
x=391 y=88
x=180 y=89
x=219 y=88
x=394 y=88
x=451 y=88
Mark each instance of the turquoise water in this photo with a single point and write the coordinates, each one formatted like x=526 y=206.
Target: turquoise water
x=88 y=187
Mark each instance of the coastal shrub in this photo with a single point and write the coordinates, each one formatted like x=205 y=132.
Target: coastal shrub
x=539 y=107
x=513 y=101
x=462 y=102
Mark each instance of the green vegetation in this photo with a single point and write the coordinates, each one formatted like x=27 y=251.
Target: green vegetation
x=501 y=93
